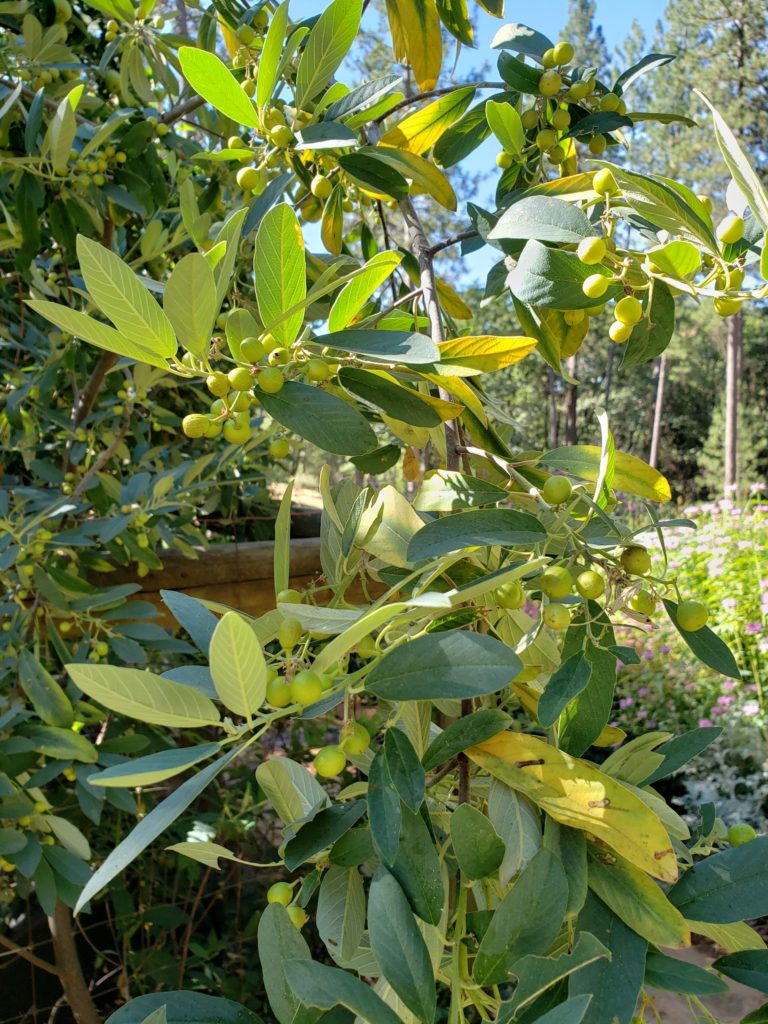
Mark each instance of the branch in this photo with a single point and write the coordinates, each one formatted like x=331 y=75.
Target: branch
x=462 y=236
x=75 y=988
x=431 y=93
x=104 y=457
x=182 y=109
x=29 y=956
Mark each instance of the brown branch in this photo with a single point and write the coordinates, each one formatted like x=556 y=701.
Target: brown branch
x=439 y=776
x=432 y=93
x=29 y=956
x=182 y=109
x=462 y=236
x=463 y=760
x=71 y=973
x=191 y=926
x=103 y=458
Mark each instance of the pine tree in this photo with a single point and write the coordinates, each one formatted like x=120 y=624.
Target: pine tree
x=587 y=38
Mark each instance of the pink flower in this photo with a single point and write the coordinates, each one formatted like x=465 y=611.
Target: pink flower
x=729 y=602
x=753 y=627
x=705 y=723
x=750 y=707
x=642 y=713
x=643 y=691
x=626 y=702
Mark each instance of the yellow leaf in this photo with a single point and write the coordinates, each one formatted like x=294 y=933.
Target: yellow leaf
x=483 y=353
x=609 y=737
x=416 y=38
x=411 y=465
x=417 y=436
x=424 y=175
x=333 y=222
x=577 y=794
x=452 y=302
x=575 y=186
x=231 y=41
x=732 y=937
x=387 y=525
x=630 y=474
x=636 y=899
x=461 y=390
x=420 y=131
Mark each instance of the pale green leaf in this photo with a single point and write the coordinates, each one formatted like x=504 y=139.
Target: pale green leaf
x=237 y=665
x=280 y=272
x=212 y=80
x=266 y=76
x=190 y=302
x=354 y=295
x=331 y=37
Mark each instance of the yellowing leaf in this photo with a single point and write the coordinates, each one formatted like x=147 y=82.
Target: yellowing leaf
x=231 y=41
x=577 y=794
x=332 y=224
x=419 y=131
x=417 y=436
x=452 y=302
x=630 y=474
x=462 y=391
x=424 y=175
x=733 y=937
x=387 y=526
x=609 y=737
x=483 y=353
x=416 y=38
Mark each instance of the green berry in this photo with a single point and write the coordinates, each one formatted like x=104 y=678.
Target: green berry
x=604 y=182
x=595 y=285
x=194 y=425
x=556 y=582
x=279 y=693
x=556 y=490
x=504 y=160
x=725 y=306
x=546 y=139
x=619 y=332
x=529 y=118
x=591 y=250
x=560 y=120
x=218 y=384
x=289 y=596
x=280 y=892
x=590 y=584
x=240 y=379
x=236 y=433
x=643 y=602
x=610 y=102
x=318 y=370
x=252 y=350
x=279 y=447
x=550 y=83
x=329 y=761
x=730 y=229
x=692 y=616
x=320 y=187
x=635 y=560
x=298 y=916
x=510 y=595
x=563 y=53
x=271 y=379
x=306 y=688
x=740 y=834
x=248 y=178
x=356 y=739
x=597 y=145
x=245 y=34
x=289 y=633
x=556 y=616
x=629 y=310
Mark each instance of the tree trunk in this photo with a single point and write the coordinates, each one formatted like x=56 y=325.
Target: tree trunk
x=552 y=433
x=733 y=360
x=661 y=383
x=571 y=431
x=76 y=990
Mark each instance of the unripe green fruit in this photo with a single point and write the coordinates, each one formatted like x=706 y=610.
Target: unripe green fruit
x=556 y=155
x=706 y=202
x=594 y=286
x=556 y=616
x=298 y=916
x=548 y=57
x=321 y=187
x=279 y=447
x=590 y=584
x=556 y=490
x=280 y=892
x=529 y=118
x=635 y=560
x=724 y=306
x=356 y=739
x=289 y=633
x=245 y=34
x=235 y=142
x=278 y=357
x=643 y=602
x=610 y=102
x=289 y=596
x=281 y=135
x=556 y=582
x=591 y=250
x=504 y=160
x=218 y=384
x=597 y=145
x=317 y=370
x=619 y=332
x=604 y=182
x=271 y=379
x=578 y=91
x=248 y=178
x=563 y=53
x=730 y=229
x=329 y=761
x=510 y=595
x=249 y=87
x=236 y=433
x=240 y=379
x=692 y=616
x=740 y=834
x=560 y=120
x=194 y=425
x=366 y=648
x=251 y=350
x=546 y=139
x=279 y=693
x=629 y=310
x=214 y=428
x=306 y=688
x=550 y=83
x=734 y=278
x=274 y=117
x=239 y=401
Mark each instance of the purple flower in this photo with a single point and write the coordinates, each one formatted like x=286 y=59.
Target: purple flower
x=750 y=708
x=725 y=700
x=753 y=627
x=626 y=702
x=643 y=691
x=642 y=713
x=716 y=711
x=665 y=648
x=648 y=655
x=729 y=684
x=705 y=723
x=756 y=488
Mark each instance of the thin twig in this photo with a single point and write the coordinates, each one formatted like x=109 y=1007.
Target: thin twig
x=447 y=768
x=462 y=236
x=191 y=926
x=103 y=458
x=182 y=109
x=402 y=301
x=432 y=93
x=29 y=956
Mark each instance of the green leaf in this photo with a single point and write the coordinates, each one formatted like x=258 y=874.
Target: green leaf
x=184 y=1007
x=11 y=841
x=478 y=847
x=280 y=273
x=404 y=347
x=504 y=527
x=237 y=665
x=383 y=810
x=505 y=123
x=521 y=39
x=269 y=61
x=553 y=278
x=481 y=725
x=442 y=666
x=362 y=96
x=564 y=686
x=293 y=791
x=190 y=303
x=417 y=867
x=281 y=944
x=646 y=63
x=317 y=985
x=43 y=692
x=378 y=461
x=544 y=218
x=325 y=420
x=572 y=1011
x=382 y=392
x=154 y=768
x=373 y=174
x=212 y=80
x=518 y=823
x=282 y=557
x=738 y=164
x=144 y=696
x=677 y=258
x=322 y=832
x=570 y=846
x=630 y=474
x=444 y=490
x=674 y=975
x=405 y=771
x=614 y=984
x=463 y=137
x=354 y=295
x=399 y=947
x=61 y=744
x=749 y=967
x=519 y=76
x=327 y=44
x=680 y=750
x=588 y=714
x=525 y=922
x=90 y=330
x=124 y=299
x=706 y=645
x=151 y=826
x=602 y=123
x=653 y=334
x=728 y=886
x=341 y=912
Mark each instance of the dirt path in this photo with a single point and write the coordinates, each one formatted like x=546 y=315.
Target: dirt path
x=728 y=1008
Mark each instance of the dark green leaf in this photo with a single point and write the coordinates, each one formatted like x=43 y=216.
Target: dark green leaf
x=467 y=732
x=653 y=334
x=383 y=810
x=362 y=96
x=707 y=646
x=400 y=402
x=192 y=616
x=681 y=749
x=404 y=768
x=184 y=1007
x=440 y=666
x=553 y=279
x=444 y=490
x=589 y=713
x=399 y=947
x=728 y=886
x=404 y=347
x=463 y=137
x=519 y=76
x=564 y=686
x=11 y=841
x=378 y=461
x=46 y=696
x=598 y=124
x=374 y=174
x=506 y=527
x=417 y=867
x=748 y=967
x=572 y=1011
x=322 y=832
x=478 y=848
x=646 y=63
x=280 y=944
x=324 y=987
x=323 y=419
x=353 y=849
x=675 y=975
